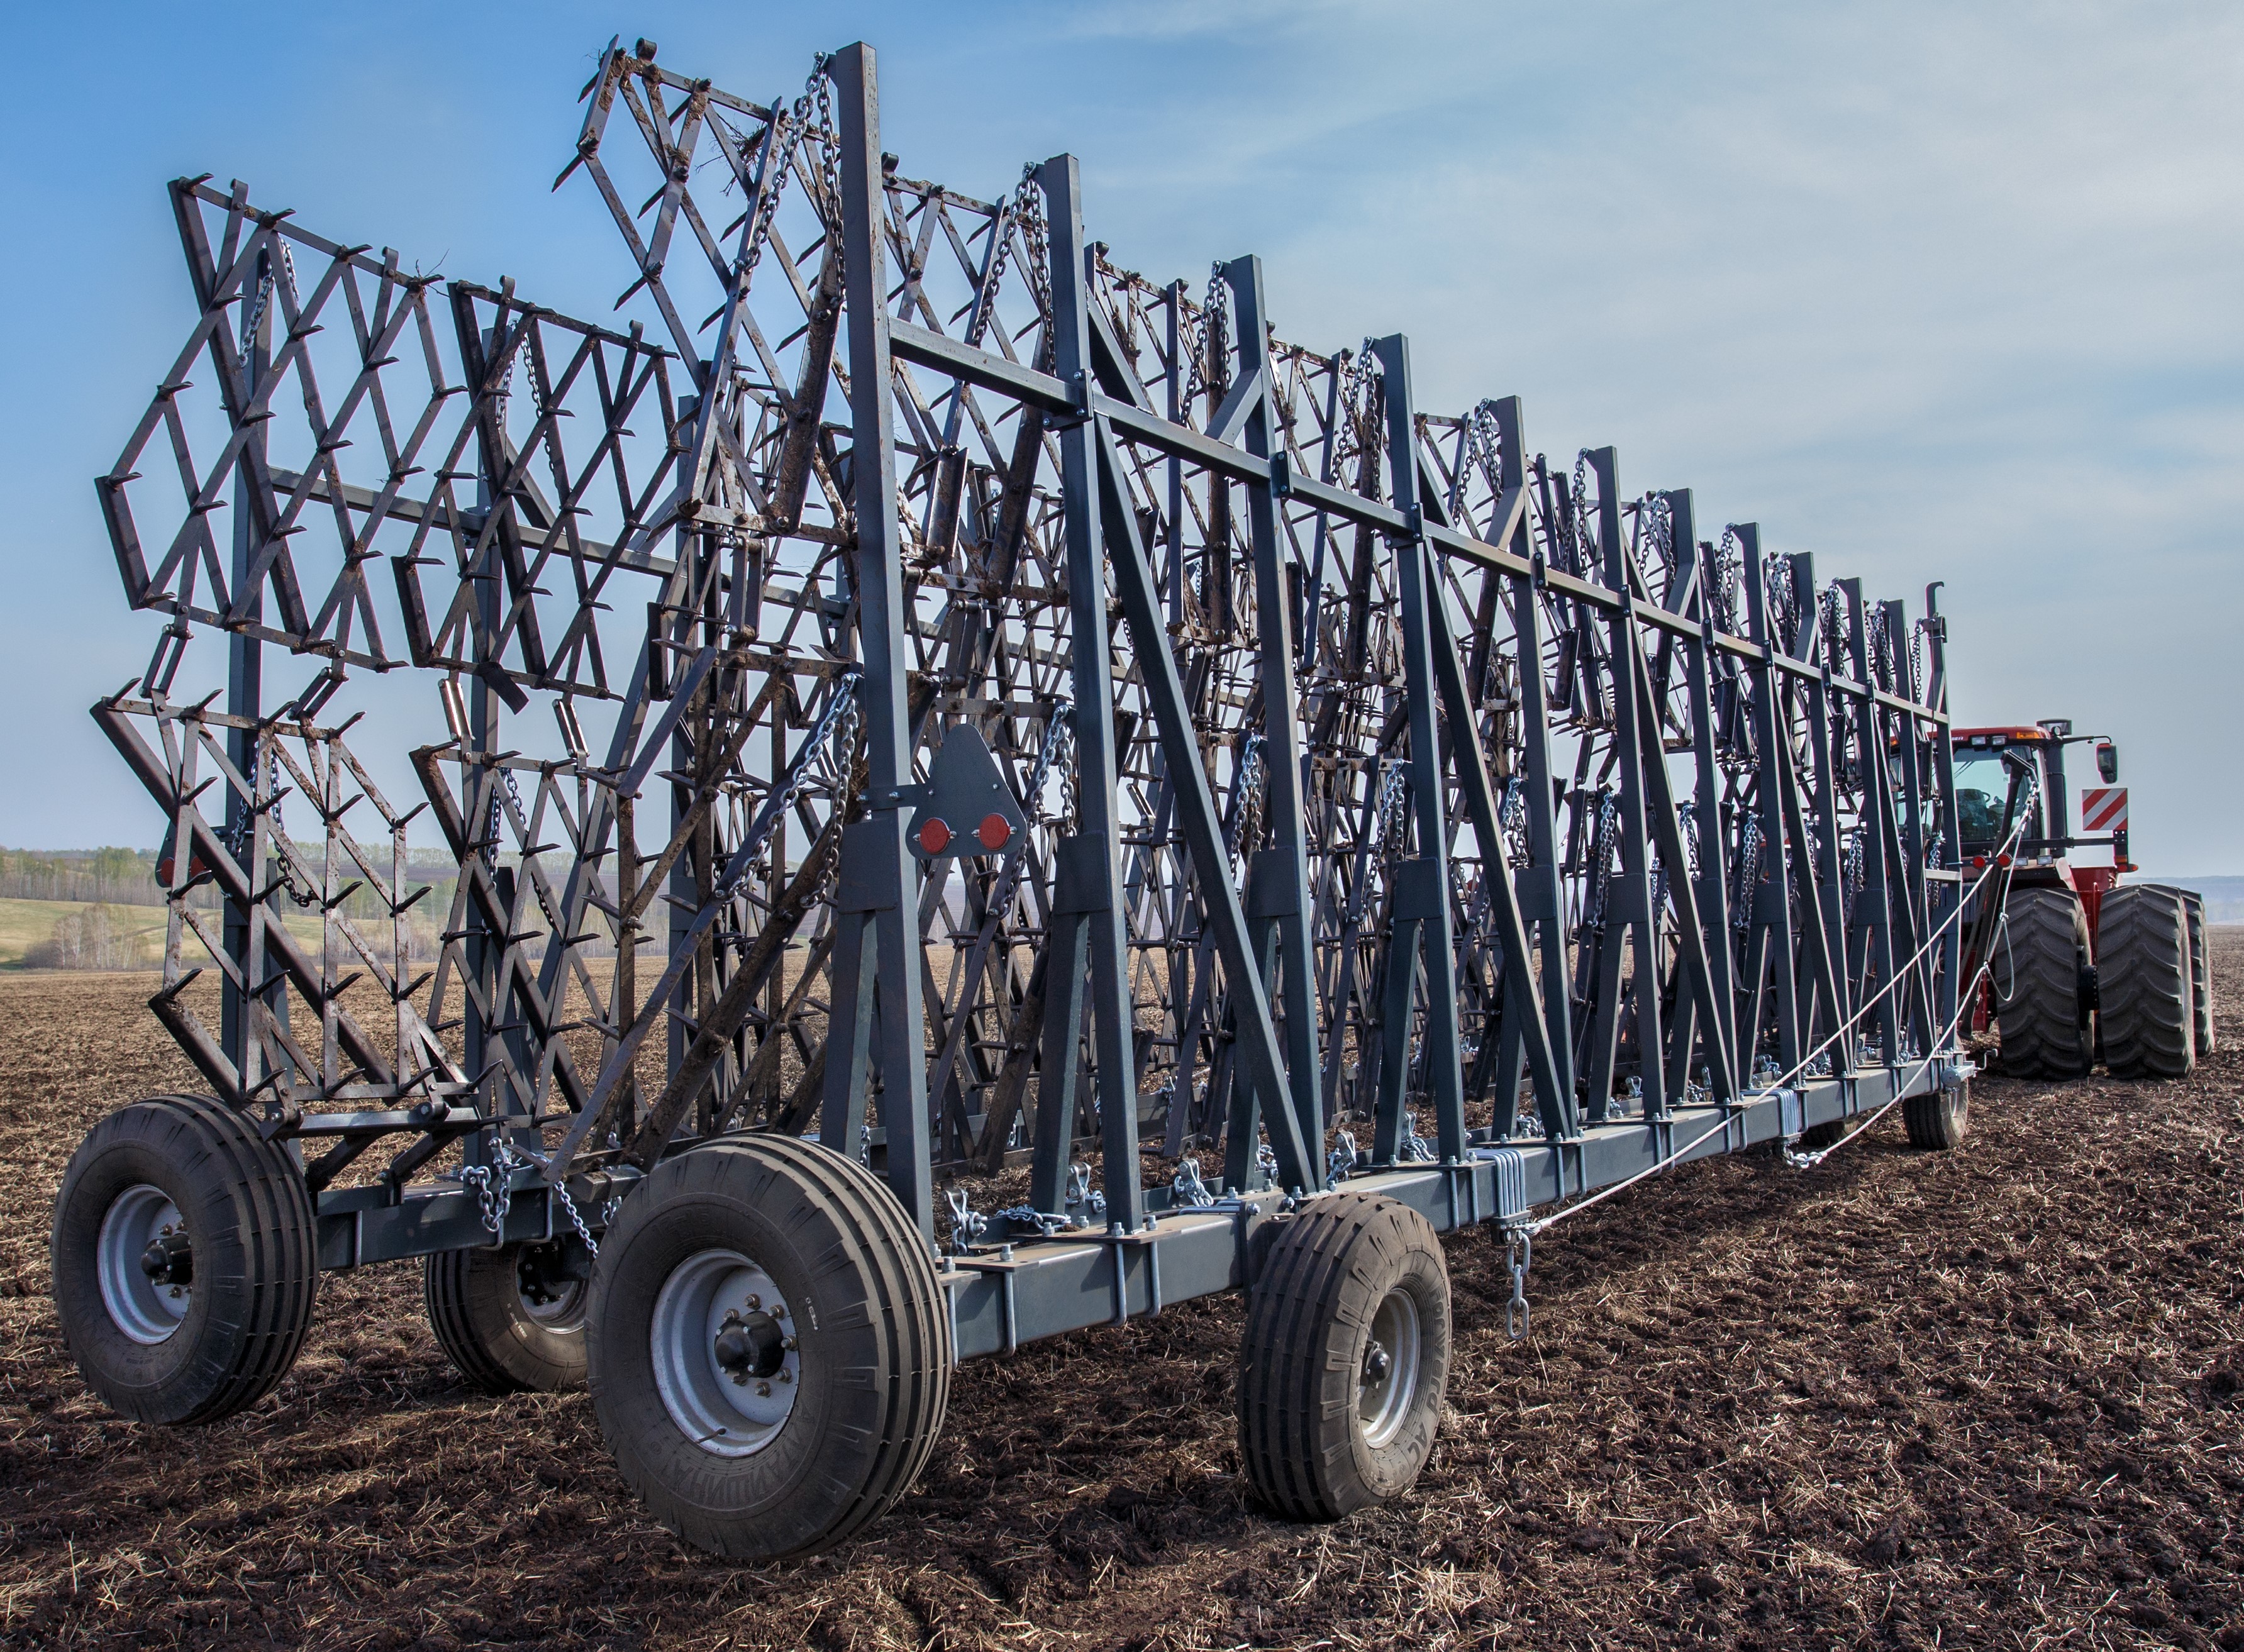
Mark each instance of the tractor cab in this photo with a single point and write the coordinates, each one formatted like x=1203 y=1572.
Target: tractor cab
x=2006 y=773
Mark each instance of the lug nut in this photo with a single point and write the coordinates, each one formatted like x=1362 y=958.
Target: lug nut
x=763 y=1391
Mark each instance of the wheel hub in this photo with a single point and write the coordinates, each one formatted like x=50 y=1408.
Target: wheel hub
x=1387 y=1384
x=751 y=1346
x=548 y=1294
x=146 y=1264
x=726 y=1360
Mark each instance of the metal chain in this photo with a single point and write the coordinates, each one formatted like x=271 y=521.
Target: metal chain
x=1250 y=796
x=1351 y=412
x=1035 y=237
x=829 y=147
x=1601 y=849
x=1483 y=447
x=844 y=699
x=1655 y=532
x=1748 y=873
x=1511 y=818
x=577 y=1218
x=1580 y=533
x=1392 y=812
x=239 y=842
x=1212 y=313
x=1729 y=579
x=489 y=1183
x=1058 y=749
x=1777 y=589
x=786 y=132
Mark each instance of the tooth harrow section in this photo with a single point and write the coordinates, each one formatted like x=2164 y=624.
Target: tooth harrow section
x=913 y=699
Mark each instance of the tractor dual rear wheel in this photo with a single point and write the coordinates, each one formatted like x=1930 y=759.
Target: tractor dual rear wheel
x=768 y=1345
x=185 y=1260
x=1345 y=1359
x=2041 y=966
x=2144 y=983
x=2201 y=967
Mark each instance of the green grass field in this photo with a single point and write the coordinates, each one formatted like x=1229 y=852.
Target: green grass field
x=23 y=924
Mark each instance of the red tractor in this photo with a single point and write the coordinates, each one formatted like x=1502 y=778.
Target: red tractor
x=2082 y=967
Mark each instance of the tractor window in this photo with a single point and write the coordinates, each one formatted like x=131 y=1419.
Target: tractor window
x=1984 y=781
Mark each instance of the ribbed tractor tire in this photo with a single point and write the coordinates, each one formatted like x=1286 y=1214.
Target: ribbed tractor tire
x=1353 y=1288
x=185 y=1261
x=2041 y=1016
x=1938 y=1122
x=2144 y=983
x=769 y=1346
x=485 y=1306
x=2201 y=967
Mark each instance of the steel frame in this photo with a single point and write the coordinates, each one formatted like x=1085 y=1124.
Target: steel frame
x=1408 y=777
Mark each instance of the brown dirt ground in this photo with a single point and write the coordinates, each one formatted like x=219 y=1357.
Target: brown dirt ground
x=1990 y=1399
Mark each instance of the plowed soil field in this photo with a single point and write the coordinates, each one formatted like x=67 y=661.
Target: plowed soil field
x=1987 y=1398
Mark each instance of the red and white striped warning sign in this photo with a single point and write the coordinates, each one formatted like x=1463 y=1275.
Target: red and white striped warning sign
x=2104 y=808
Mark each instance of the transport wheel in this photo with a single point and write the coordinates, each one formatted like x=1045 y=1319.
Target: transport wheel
x=2201 y=967
x=1346 y=1355
x=185 y=1260
x=1939 y=1122
x=769 y=1347
x=2040 y=964
x=506 y=1318
x=2144 y=982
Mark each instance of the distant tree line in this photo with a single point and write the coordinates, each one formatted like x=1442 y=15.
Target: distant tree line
x=118 y=877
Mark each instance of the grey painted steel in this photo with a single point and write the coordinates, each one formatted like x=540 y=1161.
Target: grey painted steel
x=144 y=1307
x=1374 y=769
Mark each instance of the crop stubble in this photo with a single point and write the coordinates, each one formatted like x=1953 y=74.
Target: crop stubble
x=1902 y=1400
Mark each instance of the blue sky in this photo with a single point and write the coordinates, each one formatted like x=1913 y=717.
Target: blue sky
x=1935 y=293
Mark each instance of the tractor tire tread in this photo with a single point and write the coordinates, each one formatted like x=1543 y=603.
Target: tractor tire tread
x=2043 y=1032
x=2145 y=985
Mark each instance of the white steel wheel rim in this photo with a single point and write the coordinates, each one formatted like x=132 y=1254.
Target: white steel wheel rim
x=713 y=1406
x=144 y=1311
x=1388 y=1380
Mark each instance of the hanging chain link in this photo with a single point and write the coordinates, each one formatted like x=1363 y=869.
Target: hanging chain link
x=787 y=131
x=1483 y=447
x=1601 y=850
x=1748 y=873
x=1392 y=793
x=1250 y=798
x=577 y=1218
x=1208 y=339
x=839 y=717
x=237 y=840
x=255 y=319
x=1729 y=583
x=489 y=1184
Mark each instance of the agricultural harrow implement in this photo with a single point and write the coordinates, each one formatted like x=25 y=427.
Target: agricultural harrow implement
x=916 y=708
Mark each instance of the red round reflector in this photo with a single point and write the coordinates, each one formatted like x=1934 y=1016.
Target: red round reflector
x=934 y=835
x=996 y=831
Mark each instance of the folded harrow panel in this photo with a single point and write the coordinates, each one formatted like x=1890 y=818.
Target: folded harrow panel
x=915 y=683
